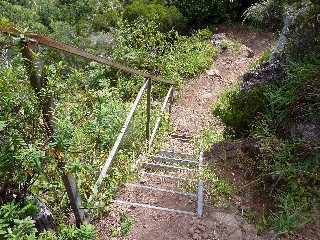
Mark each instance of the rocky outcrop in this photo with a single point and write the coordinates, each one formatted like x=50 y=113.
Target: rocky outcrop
x=298 y=35
x=264 y=74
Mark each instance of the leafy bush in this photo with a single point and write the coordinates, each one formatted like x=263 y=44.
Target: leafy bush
x=238 y=110
x=204 y=12
x=21 y=154
x=265 y=14
x=167 y=54
x=107 y=16
x=22 y=16
x=16 y=222
x=168 y=18
x=65 y=232
x=188 y=56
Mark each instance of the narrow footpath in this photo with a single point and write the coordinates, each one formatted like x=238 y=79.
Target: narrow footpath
x=190 y=115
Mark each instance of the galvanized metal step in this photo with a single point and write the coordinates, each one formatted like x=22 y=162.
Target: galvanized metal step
x=161 y=190
x=173 y=160
x=166 y=176
x=148 y=206
x=156 y=166
x=175 y=154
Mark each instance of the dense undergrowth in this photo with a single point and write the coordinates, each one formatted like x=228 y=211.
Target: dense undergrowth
x=91 y=103
x=284 y=118
x=287 y=166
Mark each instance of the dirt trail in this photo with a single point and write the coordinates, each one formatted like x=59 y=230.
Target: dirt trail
x=190 y=114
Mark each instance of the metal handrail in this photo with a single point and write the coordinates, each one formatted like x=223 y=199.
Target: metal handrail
x=53 y=43
x=165 y=102
x=40 y=39
x=147 y=84
x=119 y=139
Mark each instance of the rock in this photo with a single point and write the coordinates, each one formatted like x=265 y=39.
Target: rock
x=293 y=42
x=250 y=53
x=235 y=228
x=292 y=45
x=283 y=40
x=264 y=74
x=44 y=218
x=213 y=72
x=305 y=131
x=241 y=148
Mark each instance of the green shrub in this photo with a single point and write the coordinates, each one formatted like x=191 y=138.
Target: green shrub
x=265 y=14
x=105 y=21
x=169 y=54
x=238 y=110
x=204 y=12
x=264 y=57
x=22 y=16
x=168 y=18
x=188 y=56
x=66 y=232
x=16 y=222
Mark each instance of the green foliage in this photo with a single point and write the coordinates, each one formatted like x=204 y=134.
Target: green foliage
x=65 y=232
x=124 y=228
x=231 y=43
x=266 y=14
x=21 y=155
x=168 y=18
x=264 y=57
x=204 y=12
x=16 y=223
x=107 y=16
x=22 y=16
x=290 y=216
x=217 y=188
x=238 y=110
x=171 y=55
x=188 y=56
x=210 y=136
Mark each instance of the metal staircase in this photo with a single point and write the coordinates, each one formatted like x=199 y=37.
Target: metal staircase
x=161 y=183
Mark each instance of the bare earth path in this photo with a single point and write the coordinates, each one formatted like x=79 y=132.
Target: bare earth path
x=190 y=114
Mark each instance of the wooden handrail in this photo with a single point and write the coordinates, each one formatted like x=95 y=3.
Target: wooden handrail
x=50 y=42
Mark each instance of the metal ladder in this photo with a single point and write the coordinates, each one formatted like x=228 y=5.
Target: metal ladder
x=157 y=166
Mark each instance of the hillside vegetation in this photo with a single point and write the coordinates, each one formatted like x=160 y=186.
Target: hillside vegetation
x=91 y=103
x=166 y=38
x=277 y=105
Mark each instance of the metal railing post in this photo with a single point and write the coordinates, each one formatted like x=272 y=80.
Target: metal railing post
x=71 y=186
x=148 y=109
x=171 y=101
x=200 y=185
